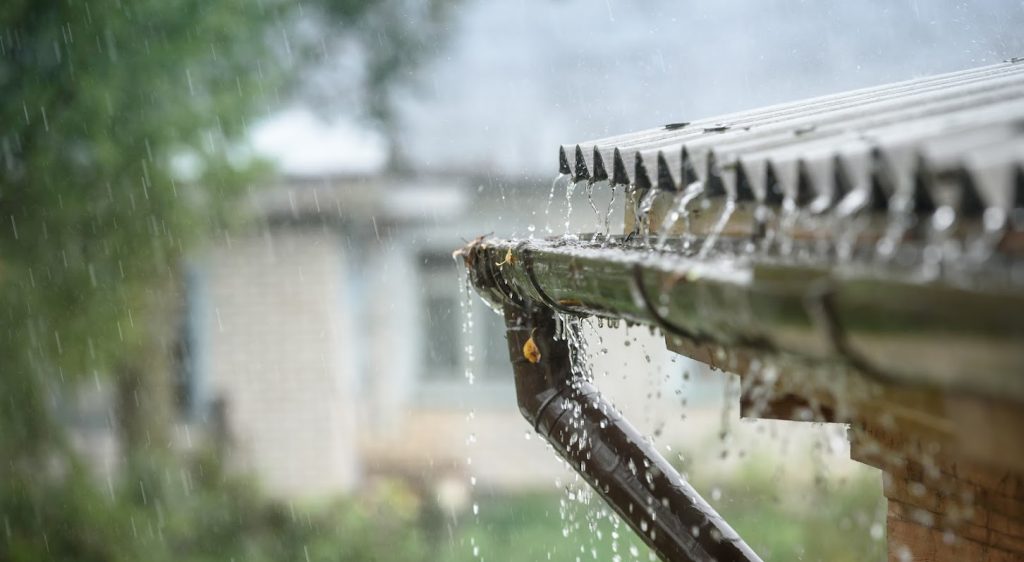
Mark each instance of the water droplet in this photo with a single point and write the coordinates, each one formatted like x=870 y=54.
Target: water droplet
x=877 y=531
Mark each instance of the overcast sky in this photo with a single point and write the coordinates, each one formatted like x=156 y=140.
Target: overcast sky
x=518 y=78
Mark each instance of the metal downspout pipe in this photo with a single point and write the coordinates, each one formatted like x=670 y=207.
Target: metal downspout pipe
x=603 y=447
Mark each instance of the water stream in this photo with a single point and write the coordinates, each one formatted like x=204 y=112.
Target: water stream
x=680 y=213
x=466 y=296
x=551 y=199
x=570 y=189
x=716 y=230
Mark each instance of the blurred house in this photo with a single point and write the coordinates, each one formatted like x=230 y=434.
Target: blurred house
x=337 y=342
x=333 y=339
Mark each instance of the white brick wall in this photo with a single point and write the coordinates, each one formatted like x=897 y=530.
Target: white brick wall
x=275 y=327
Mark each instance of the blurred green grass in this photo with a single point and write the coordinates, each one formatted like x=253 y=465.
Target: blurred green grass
x=830 y=520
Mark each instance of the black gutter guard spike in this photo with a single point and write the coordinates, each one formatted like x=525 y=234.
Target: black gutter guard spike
x=600 y=173
x=584 y=428
x=563 y=162
x=688 y=172
x=774 y=194
x=842 y=185
x=744 y=192
x=665 y=180
x=924 y=203
x=581 y=172
x=879 y=198
x=643 y=178
x=714 y=187
x=804 y=191
x=619 y=175
x=971 y=203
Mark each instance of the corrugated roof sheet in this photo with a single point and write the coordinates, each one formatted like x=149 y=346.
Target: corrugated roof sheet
x=906 y=139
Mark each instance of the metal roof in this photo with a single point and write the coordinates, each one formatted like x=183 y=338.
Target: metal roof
x=899 y=144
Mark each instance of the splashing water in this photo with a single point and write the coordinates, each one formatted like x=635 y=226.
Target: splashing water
x=466 y=306
x=642 y=214
x=982 y=246
x=608 y=213
x=570 y=188
x=901 y=220
x=716 y=231
x=680 y=212
x=590 y=199
x=551 y=198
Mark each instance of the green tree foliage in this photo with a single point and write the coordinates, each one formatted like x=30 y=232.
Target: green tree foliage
x=100 y=103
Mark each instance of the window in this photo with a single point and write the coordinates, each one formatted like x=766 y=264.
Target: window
x=444 y=356
x=188 y=376
x=442 y=328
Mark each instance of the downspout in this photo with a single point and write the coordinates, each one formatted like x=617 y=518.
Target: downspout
x=603 y=447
